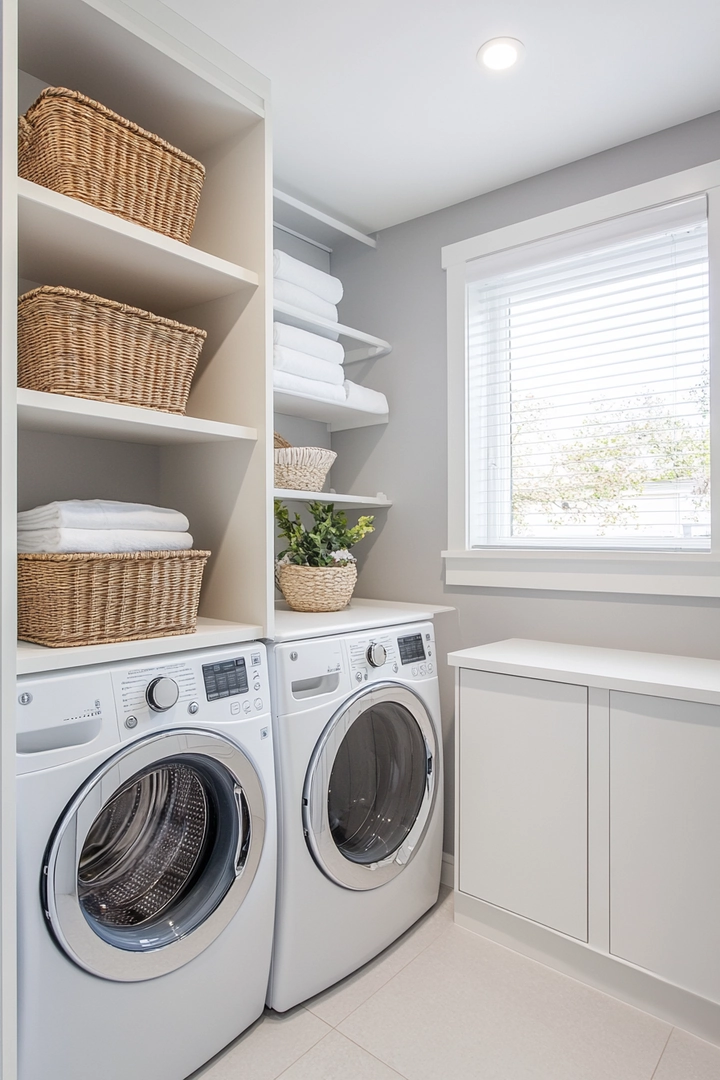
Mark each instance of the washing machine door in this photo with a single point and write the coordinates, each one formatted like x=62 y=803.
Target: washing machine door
x=154 y=855
x=370 y=787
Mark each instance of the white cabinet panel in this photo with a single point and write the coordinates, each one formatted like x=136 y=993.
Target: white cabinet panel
x=665 y=838
x=523 y=797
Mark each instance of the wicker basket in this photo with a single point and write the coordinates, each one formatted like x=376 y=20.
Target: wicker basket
x=92 y=599
x=316 y=588
x=74 y=145
x=302 y=468
x=70 y=342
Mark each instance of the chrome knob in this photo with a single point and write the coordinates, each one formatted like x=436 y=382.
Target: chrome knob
x=376 y=654
x=162 y=693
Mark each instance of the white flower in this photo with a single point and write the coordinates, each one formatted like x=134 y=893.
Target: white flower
x=285 y=561
x=343 y=556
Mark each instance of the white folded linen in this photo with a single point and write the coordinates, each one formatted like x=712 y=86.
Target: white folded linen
x=102 y=514
x=312 y=344
x=72 y=541
x=362 y=397
x=313 y=388
x=304 y=299
x=310 y=367
x=286 y=268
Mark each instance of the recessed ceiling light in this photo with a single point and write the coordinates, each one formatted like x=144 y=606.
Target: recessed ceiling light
x=500 y=53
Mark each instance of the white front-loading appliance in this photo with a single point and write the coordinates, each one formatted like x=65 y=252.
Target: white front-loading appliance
x=359 y=774
x=146 y=863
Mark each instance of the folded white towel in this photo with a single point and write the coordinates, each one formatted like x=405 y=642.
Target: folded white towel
x=286 y=268
x=71 y=541
x=362 y=397
x=304 y=299
x=102 y=514
x=311 y=388
x=310 y=367
x=312 y=344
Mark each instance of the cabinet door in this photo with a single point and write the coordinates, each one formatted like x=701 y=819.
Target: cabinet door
x=523 y=797
x=665 y=838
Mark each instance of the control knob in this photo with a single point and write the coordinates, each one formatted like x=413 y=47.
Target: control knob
x=162 y=693
x=376 y=654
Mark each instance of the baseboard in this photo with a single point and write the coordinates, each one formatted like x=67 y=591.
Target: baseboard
x=447 y=874
x=608 y=973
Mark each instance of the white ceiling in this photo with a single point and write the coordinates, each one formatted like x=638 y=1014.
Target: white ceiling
x=382 y=114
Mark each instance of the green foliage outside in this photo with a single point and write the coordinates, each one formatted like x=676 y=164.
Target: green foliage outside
x=327 y=543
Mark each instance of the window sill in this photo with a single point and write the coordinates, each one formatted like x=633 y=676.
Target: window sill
x=639 y=573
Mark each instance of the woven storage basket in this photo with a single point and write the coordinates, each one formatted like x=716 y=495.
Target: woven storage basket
x=316 y=588
x=92 y=599
x=70 y=342
x=302 y=468
x=74 y=145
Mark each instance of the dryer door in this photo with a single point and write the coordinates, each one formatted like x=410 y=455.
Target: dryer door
x=154 y=855
x=370 y=787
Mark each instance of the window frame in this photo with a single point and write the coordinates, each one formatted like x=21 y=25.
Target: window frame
x=673 y=573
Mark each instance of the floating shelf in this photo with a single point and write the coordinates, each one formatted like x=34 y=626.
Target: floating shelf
x=66 y=242
x=314 y=226
x=210 y=632
x=379 y=500
x=366 y=347
x=99 y=420
x=337 y=417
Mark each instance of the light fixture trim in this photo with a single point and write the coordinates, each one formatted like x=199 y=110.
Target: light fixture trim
x=500 y=53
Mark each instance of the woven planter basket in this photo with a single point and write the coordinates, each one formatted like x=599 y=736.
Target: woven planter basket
x=93 y=599
x=70 y=342
x=316 y=588
x=74 y=145
x=302 y=468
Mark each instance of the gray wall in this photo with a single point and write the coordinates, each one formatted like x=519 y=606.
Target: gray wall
x=398 y=292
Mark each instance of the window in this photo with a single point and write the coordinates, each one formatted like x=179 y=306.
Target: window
x=580 y=420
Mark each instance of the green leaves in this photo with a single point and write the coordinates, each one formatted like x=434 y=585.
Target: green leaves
x=327 y=543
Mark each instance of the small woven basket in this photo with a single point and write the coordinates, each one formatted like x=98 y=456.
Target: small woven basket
x=316 y=588
x=74 y=145
x=302 y=468
x=70 y=342
x=93 y=599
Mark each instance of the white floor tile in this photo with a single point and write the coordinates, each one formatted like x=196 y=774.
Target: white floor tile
x=337 y=1058
x=471 y=1010
x=340 y=1000
x=688 y=1058
x=267 y=1048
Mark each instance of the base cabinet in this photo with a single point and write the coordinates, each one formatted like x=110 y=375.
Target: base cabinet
x=665 y=838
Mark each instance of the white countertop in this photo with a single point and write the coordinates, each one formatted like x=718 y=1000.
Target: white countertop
x=685 y=677
x=358 y=615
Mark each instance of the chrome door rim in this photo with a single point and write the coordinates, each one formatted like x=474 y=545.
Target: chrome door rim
x=63 y=910
x=316 y=824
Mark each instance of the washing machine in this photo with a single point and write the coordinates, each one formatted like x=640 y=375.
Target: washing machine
x=147 y=863
x=359 y=774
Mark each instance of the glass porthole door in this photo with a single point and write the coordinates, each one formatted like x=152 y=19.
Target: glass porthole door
x=370 y=787
x=154 y=855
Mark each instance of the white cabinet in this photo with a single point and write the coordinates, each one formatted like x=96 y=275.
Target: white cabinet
x=665 y=838
x=523 y=797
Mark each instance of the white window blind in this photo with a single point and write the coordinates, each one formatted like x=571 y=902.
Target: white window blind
x=587 y=393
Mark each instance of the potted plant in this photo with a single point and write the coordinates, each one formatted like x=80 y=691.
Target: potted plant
x=316 y=571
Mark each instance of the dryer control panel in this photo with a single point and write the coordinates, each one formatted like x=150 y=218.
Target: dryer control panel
x=387 y=654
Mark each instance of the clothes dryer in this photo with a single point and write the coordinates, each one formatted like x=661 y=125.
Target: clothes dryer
x=147 y=863
x=359 y=775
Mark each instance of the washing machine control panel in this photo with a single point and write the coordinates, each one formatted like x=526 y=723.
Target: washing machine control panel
x=386 y=654
x=227 y=678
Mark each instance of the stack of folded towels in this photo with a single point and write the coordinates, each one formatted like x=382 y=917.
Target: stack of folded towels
x=307 y=363
x=96 y=525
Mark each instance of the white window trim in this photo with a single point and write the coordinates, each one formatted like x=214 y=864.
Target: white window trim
x=650 y=573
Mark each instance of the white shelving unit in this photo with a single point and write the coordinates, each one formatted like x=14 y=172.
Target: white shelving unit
x=337 y=416
x=314 y=226
x=379 y=501
x=360 y=346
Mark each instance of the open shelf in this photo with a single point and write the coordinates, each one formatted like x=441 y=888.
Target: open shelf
x=360 y=346
x=100 y=420
x=312 y=225
x=210 y=632
x=337 y=417
x=360 y=501
x=66 y=242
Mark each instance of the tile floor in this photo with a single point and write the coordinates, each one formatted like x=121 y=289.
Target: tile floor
x=446 y=1004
